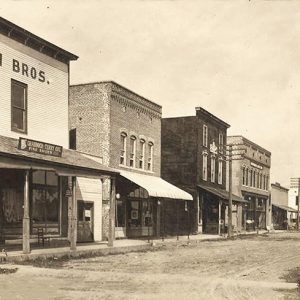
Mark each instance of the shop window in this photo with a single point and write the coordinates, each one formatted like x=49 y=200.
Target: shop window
x=134 y=214
x=213 y=169
x=220 y=172
x=221 y=142
x=140 y=213
x=45 y=199
x=205 y=135
x=123 y=149
x=18 y=106
x=132 y=151
x=142 y=154
x=204 y=167
x=150 y=156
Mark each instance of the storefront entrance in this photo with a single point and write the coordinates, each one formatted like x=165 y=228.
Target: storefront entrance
x=85 y=221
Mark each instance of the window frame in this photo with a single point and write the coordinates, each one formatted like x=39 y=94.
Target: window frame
x=220 y=171
x=13 y=107
x=142 y=154
x=221 y=142
x=205 y=135
x=213 y=169
x=150 y=156
x=132 y=154
x=123 y=153
x=204 y=166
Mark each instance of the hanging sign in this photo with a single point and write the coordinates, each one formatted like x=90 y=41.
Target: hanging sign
x=40 y=147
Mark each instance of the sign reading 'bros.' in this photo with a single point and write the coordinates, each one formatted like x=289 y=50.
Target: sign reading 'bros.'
x=28 y=71
x=40 y=147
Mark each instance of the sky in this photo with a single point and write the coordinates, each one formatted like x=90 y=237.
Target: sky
x=240 y=60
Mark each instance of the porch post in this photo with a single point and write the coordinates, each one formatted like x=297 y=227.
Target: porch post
x=219 y=226
x=111 y=229
x=26 y=220
x=73 y=227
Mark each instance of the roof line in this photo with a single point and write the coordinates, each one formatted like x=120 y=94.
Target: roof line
x=205 y=112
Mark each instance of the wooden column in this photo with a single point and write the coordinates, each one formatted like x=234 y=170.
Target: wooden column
x=220 y=217
x=112 y=207
x=158 y=205
x=73 y=227
x=26 y=219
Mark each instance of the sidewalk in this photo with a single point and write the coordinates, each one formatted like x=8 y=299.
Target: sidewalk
x=100 y=249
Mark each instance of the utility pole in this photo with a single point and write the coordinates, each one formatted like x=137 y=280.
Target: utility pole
x=230 y=194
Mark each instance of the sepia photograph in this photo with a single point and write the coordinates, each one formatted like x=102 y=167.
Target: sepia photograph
x=149 y=149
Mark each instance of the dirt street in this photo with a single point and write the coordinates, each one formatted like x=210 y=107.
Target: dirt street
x=246 y=268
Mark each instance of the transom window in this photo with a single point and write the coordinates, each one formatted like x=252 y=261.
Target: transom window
x=18 y=106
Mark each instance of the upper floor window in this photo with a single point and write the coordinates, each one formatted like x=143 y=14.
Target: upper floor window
x=150 y=156
x=205 y=135
x=244 y=175
x=254 y=179
x=220 y=172
x=251 y=178
x=123 y=149
x=204 y=168
x=132 y=151
x=213 y=169
x=18 y=106
x=221 y=142
x=142 y=154
x=267 y=183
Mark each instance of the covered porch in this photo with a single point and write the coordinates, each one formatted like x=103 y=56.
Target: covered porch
x=38 y=205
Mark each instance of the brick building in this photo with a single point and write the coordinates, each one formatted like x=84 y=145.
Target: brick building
x=194 y=159
x=124 y=130
x=251 y=173
x=37 y=170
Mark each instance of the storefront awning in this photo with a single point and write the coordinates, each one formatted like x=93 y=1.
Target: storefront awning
x=223 y=194
x=71 y=162
x=285 y=207
x=156 y=186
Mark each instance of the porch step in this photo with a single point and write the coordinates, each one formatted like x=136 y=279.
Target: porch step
x=18 y=241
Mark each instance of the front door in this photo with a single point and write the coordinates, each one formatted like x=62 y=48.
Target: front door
x=85 y=221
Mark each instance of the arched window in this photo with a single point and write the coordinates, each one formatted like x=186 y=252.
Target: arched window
x=132 y=151
x=123 y=148
x=142 y=154
x=150 y=156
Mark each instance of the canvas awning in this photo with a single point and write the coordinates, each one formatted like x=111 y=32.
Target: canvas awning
x=285 y=207
x=156 y=186
x=223 y=194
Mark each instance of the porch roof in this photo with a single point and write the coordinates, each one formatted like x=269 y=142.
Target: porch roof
x=285 y=207
x=156 y=186
x=71 y=163
x=223 y=194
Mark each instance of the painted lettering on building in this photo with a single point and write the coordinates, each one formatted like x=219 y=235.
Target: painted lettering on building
x=28 y=71
x=256 y=165
x=39 y=147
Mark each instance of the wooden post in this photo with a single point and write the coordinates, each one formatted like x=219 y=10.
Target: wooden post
x=229 y=228
x=298 y=207
x=220 y=217
x=73 y=227
x=111 y=229
x=177 y=220
x=158 y=220
x=26 y=219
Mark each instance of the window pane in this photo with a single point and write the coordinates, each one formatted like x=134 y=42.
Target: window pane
x=52 y=205
x=38 y=177
x=52 y=179
x=18 y=95
x=18 y=118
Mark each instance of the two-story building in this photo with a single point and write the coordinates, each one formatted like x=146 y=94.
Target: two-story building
x=37 y=170
x=250 y=179
x=124 y=130
x=194 y=159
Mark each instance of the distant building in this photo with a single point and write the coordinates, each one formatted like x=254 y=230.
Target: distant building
x=194 y=159
x=251 y=174
x=293 y=200
x=281 y=212
x=124 y=129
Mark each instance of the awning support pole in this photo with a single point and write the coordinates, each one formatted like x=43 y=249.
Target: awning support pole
x=164 y=220
x=177 y=220
x=111 y=229
x=73 y=228
x=26 y=220
x=148 y=218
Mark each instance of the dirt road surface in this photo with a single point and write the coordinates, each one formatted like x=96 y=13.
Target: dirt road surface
x=246 y=268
